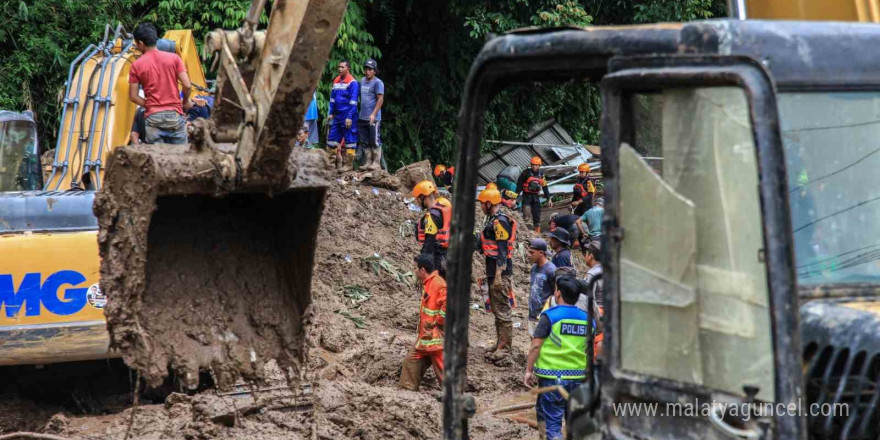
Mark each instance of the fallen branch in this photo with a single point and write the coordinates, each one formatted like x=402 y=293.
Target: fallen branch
x=517 y=407
x=521 y=419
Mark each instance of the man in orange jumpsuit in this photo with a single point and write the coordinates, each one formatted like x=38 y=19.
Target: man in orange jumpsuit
x=428 y=350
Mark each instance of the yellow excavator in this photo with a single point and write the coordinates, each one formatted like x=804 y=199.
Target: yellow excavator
x=204 y=251
x=51 y=306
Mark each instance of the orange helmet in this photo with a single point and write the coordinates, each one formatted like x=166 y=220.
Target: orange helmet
x=424 y=188
x=536 y=160
x=491 y=185
x=439 y=169
x=444 y=201
x=584 y=168
x=490 y=195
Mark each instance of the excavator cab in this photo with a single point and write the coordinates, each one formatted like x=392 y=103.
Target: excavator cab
x=740 y=220
x=19 y=154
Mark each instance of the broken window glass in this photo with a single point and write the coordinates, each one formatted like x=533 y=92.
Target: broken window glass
x=694 y=294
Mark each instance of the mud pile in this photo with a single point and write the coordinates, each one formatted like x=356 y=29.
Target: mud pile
x=364 y=313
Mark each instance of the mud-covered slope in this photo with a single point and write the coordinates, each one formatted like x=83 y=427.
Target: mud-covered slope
x=355 y=348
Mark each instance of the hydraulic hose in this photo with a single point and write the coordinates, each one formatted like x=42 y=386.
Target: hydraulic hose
x=73 y=116
x=96 y=101
x=67 y=101
x=104 y=130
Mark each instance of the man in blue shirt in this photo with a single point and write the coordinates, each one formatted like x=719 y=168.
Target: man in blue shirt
x=541 y=280
x=372 y=91
x=560 y=242
x=593 y=219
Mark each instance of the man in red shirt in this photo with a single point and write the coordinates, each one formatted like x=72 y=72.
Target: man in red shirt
x=158 y=73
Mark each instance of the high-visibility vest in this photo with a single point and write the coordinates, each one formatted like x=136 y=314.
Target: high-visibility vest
x=442 y=235
x=490 y=246
x=563 y=353
x=584 y=188
x=432 y=314
x=533 y=184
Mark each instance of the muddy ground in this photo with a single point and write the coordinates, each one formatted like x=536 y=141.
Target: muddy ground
x=355 y=351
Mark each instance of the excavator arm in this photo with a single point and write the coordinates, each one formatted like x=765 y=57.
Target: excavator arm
x=207 y=249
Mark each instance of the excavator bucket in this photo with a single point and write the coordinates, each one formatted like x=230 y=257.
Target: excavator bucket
x=207 y=249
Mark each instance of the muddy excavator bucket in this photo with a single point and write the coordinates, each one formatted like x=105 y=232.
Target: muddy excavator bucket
x=207 y=249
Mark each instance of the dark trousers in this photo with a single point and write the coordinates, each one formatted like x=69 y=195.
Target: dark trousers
x=552 y=408
x=531 y=205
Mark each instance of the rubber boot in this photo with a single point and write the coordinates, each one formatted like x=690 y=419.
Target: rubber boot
x=537 y=229
x=347 y=162
x=377 y=157
x=505 y=341
x=542 y=430
x=370 y=155
x=491 y=350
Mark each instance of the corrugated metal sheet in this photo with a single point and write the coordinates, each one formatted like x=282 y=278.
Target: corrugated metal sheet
x=560 y=148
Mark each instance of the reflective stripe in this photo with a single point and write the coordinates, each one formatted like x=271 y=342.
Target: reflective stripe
x=353 y=102
x=332 y=100
x=562 y=374
x=431 y=312
x=430 y=342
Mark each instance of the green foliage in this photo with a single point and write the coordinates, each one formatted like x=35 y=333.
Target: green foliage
x=41 y=38
x=353 y=44
x=424 y=51
x=200 y=16
x=652 y=11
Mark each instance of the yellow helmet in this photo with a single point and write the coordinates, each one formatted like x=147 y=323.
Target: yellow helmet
x=584 y=168
x=439 y=169
x=490 y=195
x=444 y=201
x=424 y=188
x=491 y=185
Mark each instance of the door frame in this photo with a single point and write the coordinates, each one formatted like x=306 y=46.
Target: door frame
x=641 y=74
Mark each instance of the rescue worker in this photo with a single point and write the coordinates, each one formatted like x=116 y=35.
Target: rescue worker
x=432 y=230
x=432 y=319
x=583 y=191
x=343 y=114
x=444 y=175
x=496 y=244
x=557 y=355
x=530 y=184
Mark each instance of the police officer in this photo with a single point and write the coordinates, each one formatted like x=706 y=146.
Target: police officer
x=583 y=191
x=496 y=245
x=530 y=184
x=432 y=230
x=558 y=355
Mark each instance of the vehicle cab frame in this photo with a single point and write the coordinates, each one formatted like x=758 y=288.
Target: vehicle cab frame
x=763 y=59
